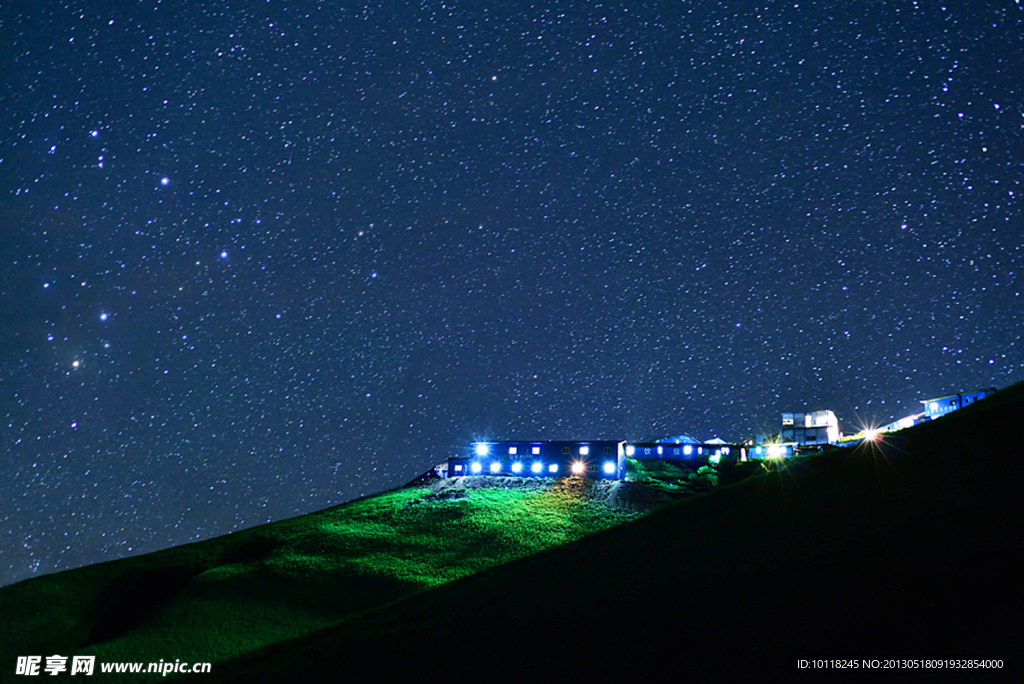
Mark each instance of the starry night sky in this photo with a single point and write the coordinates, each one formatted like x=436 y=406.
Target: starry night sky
x=259 y=258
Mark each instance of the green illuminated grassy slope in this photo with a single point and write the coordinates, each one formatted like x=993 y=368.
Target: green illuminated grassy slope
x=220 y=598
x=908 y=552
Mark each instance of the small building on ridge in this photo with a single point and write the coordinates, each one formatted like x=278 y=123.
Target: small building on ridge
x=810 y=428
x=940 y=406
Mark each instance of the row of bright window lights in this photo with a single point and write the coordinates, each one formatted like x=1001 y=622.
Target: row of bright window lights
x=482 y=449
x=687 y=450
x=578 y=468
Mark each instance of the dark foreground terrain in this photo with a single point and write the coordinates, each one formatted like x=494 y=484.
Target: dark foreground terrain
x=905 y=550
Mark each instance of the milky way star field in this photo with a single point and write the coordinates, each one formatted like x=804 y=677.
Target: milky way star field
x=261 y=258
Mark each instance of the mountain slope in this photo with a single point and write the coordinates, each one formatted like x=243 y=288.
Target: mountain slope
x=222 y=597
x=904 y=551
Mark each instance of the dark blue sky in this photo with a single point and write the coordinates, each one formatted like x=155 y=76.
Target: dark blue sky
x=261 y=258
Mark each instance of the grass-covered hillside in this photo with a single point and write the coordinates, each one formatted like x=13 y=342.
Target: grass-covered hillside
x=223 y=597
x=905 y=554
x=903 y=551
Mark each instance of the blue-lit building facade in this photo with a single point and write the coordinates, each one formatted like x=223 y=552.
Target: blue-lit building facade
x=593 y=459
x=606 y=459
x=940 y=406
x=774 y=450
x=696 y=452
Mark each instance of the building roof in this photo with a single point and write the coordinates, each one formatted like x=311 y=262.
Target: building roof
x=678 y=439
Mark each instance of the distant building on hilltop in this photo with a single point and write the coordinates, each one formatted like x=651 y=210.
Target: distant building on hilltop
x=810 y=428
x=940 y=406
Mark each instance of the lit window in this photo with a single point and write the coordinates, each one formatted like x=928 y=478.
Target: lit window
x=757 y=450
x=577 y=468
x=458 y=469
x=536 y=451
x=659 y=451
x=495 y=466
x=584 y=450
x=512 y=451
x=476 y=467
x=630 y=450
x=517 y=467
x=553 y=468
x=481 y=449
x=609 y=467
x=536 y=467
x=687 y=450
x=934 y=406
